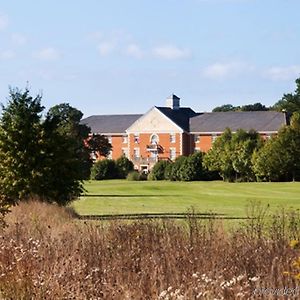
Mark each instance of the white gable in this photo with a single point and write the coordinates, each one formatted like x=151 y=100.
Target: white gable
x=153 y=121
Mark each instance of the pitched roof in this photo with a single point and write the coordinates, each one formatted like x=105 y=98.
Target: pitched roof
x=261 y=121
x=180 y=116
x=110 y=123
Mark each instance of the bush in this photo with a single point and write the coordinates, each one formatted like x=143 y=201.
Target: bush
x=124 y=166
x=104 y=169
x=136 y=176
x=191 y=168
x=159 y=170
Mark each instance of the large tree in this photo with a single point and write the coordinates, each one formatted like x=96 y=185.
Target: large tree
x=68 y=119
x=37 y=157
x=290 y=102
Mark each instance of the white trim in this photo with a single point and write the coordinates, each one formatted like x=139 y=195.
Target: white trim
x=129 y=130
x=181 y=146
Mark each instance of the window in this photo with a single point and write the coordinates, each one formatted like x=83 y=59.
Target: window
x=124 y=139
x=136 y=152
x=197 y=150
x=125 y=152
x=154 y=139
x=172 y=153
x=196 y=138
x=213 y=137
x=268 y=136
x=136 y=138
x=109 y=156
x=173 y=138
x=109 y=138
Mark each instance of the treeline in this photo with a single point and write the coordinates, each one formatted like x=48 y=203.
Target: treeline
x=289 y=102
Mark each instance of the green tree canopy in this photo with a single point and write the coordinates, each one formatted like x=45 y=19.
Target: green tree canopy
x=290 y=102
x=38 y=157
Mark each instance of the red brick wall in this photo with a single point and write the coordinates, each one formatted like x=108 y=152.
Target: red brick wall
x=164 y=141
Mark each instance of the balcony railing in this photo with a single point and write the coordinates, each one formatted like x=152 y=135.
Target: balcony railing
x=154 y=147
x=148 y=160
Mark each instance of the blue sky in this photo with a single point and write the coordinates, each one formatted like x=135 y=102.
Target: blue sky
x=109 y=57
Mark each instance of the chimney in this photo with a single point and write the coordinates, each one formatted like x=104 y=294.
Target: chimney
x=173 y=102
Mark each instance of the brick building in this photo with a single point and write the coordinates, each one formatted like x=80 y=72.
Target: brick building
x=164 y=133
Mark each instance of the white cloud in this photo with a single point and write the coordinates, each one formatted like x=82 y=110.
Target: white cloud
x=6 y=55
x=106 y=48
x=135 y=51
x=49 y=53
x=3 y=22
x=171 y=52
x=18 y=39
x=224 y=70
x=283 y=73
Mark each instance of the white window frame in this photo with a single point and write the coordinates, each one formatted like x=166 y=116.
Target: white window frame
x=109 y=138
x=136 y=138
x=172 y=153
x=109 y=155
x=197 y=149
x=172 y=138
x=125 y=152
x=157 y=139
x=136 y=150
x=125 y=139
x=197 y=138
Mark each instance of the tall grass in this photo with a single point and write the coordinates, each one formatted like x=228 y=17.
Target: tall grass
x=46 y=254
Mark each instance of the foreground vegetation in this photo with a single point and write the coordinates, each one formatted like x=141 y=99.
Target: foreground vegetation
x=121 y=196
x=45 y=254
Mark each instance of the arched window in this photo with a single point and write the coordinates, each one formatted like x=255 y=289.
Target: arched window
x=154 y=139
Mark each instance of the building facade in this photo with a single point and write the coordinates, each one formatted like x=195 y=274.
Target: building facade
x=164 y=133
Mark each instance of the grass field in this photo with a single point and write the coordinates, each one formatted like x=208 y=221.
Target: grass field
x=123 y=197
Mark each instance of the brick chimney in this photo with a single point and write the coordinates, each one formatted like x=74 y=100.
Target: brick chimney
x=173 y=102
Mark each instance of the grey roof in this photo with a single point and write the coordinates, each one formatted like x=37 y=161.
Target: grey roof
x=261 y=121
x=180 y=116
x=110 y=123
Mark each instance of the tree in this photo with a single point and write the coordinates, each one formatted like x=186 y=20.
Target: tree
x=68 y=119
x=248 y=107
x=37 y=158
x=231 y=155
x=254 y=107
x=224 y=108
x=290 y=102
x=99 y=145
x=104 y=169
x=124 y=166
x=192 y=169
x=279 y=159
x=159 y=170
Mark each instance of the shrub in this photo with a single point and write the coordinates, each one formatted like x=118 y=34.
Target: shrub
x=133 y=176
x=158 y=171
x=191 y=168
x=124 y=166
x=136 y=176
x=104 y=169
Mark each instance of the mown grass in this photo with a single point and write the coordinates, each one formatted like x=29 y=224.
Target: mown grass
x=120 y=196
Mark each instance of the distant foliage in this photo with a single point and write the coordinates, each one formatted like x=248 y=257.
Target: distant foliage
x=249 y=107
x=124 y=166
x=104 y=169
x=290 y=102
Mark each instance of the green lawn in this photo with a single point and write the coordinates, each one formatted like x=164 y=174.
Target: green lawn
x=121 y=196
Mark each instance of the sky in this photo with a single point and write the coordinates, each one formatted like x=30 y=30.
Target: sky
x=116 y=57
